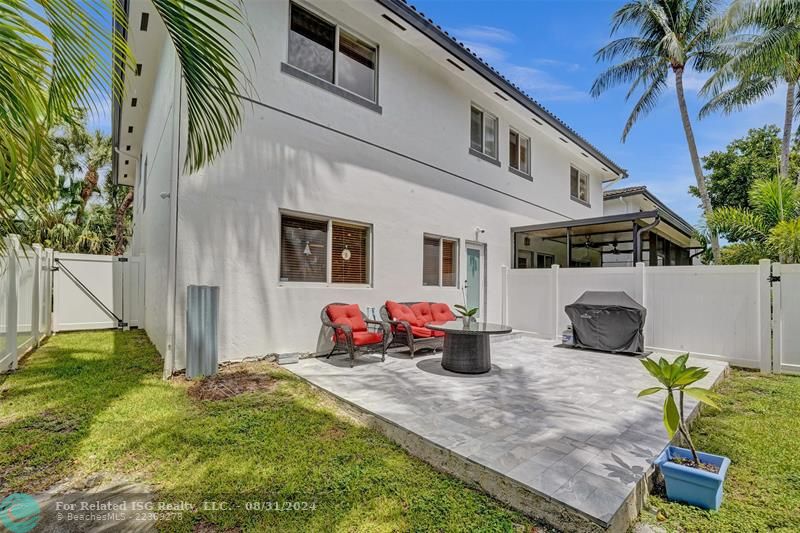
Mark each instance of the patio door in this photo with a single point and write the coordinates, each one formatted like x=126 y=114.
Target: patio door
x=475 y=284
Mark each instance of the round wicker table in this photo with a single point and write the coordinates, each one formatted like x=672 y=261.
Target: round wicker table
x=466 y=348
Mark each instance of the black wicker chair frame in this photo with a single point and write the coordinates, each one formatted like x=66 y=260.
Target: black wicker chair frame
x=343 y=337
x=404 y=337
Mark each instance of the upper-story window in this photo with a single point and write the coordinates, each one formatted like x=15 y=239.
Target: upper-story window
x=483 y=132
x=331 y=53
x=579 y=185
x=519 y=150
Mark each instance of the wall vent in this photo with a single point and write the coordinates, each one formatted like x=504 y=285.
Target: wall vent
x=145 y=21
x=134 y=101
x=500 y=96
x=459 y=67
x=138 y=69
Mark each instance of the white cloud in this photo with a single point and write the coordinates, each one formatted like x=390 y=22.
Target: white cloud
x=487 y=43
x=484 y=34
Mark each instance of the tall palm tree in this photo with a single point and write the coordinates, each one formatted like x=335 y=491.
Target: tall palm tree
x=757 y=64
x=669 y=37
x=771 y=229
x=58 y=56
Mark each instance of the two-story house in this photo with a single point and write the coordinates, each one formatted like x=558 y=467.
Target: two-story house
x=380 y=159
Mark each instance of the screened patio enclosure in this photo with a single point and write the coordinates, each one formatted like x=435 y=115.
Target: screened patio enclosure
x=614 y=240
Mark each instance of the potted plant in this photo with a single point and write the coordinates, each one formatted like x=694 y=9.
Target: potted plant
x=691 y=477
x=467 y=314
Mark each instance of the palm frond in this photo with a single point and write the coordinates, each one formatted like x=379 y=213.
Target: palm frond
x=648 y=101
x=775 y=200
x=737 y=224
x=747 y=253
x=784 y=238
x=741 y=95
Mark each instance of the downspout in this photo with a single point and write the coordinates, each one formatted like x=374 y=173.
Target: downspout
x=637 y=237
x=611 y=183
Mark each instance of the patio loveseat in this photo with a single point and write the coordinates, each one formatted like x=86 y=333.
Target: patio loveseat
x=351 y=333
x=408 y=319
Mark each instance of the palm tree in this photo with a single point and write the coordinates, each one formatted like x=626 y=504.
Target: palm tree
x=56 y=57
x=670 y=35
x=757 y=64
x=771 y=229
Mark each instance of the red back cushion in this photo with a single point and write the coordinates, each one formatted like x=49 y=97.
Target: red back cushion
x=401 y=312
x=442 y=313
x=423 y=312
x=347 y=314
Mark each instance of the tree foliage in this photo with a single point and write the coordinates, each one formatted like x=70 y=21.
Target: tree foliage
x=769 y=229
x=745 y=160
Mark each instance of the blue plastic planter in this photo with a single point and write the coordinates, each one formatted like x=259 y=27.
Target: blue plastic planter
x=692 y=485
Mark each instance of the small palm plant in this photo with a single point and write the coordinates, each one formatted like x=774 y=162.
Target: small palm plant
x=465 y=311
x=677 y=377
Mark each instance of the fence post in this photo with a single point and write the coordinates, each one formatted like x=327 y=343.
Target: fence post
x=12 y=249
x=640 y=287
x=36 y=295
x=556 y=303
x=48 y=300
x=765 y=308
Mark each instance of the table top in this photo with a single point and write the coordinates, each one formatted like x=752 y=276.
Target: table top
x=475 y=328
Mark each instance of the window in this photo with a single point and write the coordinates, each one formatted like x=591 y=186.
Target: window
x=483 y=132
x=579 y=185
x=544 y=260
x=332 y=54
x=519 y=149
x=310 y=245
x=439 y=261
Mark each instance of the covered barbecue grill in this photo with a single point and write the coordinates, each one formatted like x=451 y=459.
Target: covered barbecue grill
x=608 y=321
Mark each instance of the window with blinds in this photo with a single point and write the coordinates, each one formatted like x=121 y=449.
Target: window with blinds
x=439 y=262
x=306 y=251
x=579 y=185
x=349 y=253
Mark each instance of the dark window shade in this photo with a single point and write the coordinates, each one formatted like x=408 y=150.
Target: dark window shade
x=312 y=27
x=449 y=255
x=430 y=261
x=312 y=44
x=574 y=178
x=476 y=129
x=513 y=150
x=354 y=239
x=304 y=249
x=357 y=50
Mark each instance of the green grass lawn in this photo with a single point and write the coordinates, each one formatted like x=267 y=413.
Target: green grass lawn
x=758 y=427
x=95 y=402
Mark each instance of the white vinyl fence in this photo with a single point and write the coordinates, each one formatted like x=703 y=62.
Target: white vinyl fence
x=25 y=297
x=740 y=314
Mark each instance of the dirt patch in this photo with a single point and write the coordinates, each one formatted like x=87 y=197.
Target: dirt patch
x=229 y=384
x=714 y=469
x=53 y=422
x=333 y=433
x=207 y=527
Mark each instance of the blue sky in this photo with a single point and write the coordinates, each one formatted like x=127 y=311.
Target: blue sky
x=547 y=48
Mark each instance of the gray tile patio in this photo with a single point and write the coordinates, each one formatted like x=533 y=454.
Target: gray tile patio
x=564 y=423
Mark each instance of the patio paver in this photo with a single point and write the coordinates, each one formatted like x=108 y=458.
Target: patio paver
x=564 y=424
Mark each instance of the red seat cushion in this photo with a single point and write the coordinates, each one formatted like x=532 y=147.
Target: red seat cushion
x=442 y=313
x=420 y=332
x=422 y=310
x=402 y=312
x=362 y=338
x=347 y=314
x=437 y=333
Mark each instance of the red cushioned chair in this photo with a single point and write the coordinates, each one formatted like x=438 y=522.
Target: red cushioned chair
x=351 y=333
x=412 y=317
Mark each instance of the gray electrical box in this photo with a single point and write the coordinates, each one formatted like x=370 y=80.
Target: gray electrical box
x=202 y=317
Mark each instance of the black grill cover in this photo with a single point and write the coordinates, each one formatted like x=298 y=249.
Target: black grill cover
x=608 y=321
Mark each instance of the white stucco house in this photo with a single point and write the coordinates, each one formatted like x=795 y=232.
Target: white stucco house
x=380 y=160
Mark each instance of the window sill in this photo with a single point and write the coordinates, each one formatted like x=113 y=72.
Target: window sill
x=520 y=174
x=330 y=87
x=481 y=155
x=321 y=285
x=578 y=200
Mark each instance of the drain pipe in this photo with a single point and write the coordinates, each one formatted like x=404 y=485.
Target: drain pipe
x=637 y=237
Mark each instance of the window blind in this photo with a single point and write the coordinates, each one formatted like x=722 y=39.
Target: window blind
x=304 y=249
x=349 y=249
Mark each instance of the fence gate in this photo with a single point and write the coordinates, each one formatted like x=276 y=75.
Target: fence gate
x=786 y=318
x=97 y=292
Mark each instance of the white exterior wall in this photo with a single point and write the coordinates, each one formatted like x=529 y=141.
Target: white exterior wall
x=151 y=230
x=229 y=213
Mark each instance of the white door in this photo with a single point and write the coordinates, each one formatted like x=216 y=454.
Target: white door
x=475 y=282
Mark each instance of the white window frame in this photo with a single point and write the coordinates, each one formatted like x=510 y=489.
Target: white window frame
x=338 y=27
x=328 y=250
x=482 y=151
x=456 y=259
x=520 y=138
x=581 y=174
